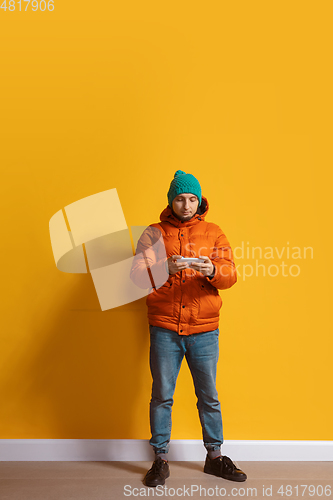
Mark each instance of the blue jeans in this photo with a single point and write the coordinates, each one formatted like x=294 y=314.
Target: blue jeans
x=167 y=350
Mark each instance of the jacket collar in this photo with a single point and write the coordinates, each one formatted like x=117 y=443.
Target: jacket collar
x=167 y=215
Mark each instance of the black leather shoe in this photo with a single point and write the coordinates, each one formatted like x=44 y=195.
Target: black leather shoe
x=223 y=467
x=158 y=473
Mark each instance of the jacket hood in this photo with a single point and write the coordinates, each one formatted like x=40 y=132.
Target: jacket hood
x=167 y=215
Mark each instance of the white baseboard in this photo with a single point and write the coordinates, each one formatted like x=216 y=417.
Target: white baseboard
x=139 y=449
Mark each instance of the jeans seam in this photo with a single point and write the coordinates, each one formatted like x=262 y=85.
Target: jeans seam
x=168 y=427
x=200 y=406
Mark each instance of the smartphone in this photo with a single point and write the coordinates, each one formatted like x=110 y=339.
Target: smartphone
x=191 y=259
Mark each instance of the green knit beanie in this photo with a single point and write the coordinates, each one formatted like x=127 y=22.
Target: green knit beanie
x=183 y=183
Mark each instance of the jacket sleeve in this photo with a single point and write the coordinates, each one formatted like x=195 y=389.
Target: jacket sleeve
x=222 y=257
x=149 y=263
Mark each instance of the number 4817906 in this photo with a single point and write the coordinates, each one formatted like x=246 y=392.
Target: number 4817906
x=35 y=5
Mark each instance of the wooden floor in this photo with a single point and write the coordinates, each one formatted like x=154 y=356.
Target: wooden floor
x=117 y=480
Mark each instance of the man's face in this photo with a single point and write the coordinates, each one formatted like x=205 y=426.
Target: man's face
x=185 y=206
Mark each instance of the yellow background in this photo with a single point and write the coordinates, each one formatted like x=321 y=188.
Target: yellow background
x=102 y=95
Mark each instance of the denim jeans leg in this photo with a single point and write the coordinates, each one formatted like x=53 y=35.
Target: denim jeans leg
x=202 y=353
x=166 y=355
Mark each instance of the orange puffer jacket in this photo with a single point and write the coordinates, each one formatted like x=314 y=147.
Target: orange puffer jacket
x=187 y=302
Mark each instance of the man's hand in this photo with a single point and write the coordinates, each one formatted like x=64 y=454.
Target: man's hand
x=174 y=265
x=206 y=268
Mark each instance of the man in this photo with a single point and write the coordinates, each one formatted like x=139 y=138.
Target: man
x=183 y=314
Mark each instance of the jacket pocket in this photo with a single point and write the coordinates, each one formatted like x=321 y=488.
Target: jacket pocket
x=210 y=301
x=161 y=300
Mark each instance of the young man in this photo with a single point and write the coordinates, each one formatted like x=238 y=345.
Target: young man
x=183 y=316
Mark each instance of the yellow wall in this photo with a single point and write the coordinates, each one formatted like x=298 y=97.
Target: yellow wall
x=120 y=95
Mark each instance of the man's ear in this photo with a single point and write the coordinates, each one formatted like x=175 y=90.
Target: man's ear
x=201 y=208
